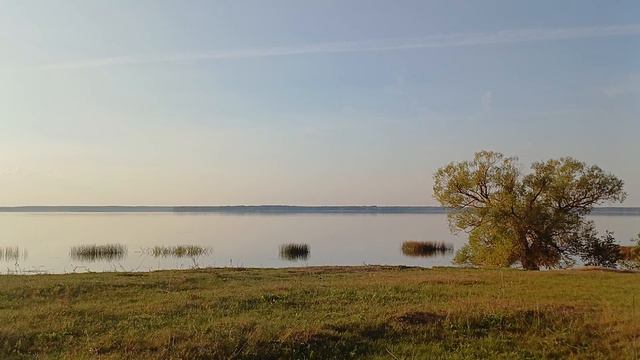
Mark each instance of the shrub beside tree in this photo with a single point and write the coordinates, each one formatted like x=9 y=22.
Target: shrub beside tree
x=631 y=255
x=535 y=219
x=599 y=251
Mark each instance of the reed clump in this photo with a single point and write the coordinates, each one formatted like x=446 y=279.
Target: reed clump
x=294 y=251
x=108 y=252
x=12 y=253
x=426 y=248
x=630 y=257
x=630 y=252
x=179 y=251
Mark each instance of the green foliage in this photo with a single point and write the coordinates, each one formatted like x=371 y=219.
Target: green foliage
x=535 y=219
x=600 y=251
x=487 y=248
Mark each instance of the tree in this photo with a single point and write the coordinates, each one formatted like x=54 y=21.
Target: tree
x=536 y=219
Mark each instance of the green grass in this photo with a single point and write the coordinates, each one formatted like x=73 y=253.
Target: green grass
x=322 y=313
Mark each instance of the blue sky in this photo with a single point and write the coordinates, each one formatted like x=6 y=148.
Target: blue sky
x=290 y=102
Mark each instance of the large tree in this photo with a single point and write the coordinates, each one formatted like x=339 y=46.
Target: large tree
x=535 y=219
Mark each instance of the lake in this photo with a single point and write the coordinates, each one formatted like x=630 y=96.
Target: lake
x=45 y=242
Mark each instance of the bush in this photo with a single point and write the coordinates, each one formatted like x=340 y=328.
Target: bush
x=631 y=255
x=600 y=251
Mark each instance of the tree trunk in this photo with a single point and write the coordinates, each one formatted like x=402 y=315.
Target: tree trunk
x=528 y=264
x=526 y=257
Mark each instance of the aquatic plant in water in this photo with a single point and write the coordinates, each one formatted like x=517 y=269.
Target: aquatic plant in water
x=179 y=251
x=294 y=251
x=426 y=248
x=94 y=252
x=12 y=253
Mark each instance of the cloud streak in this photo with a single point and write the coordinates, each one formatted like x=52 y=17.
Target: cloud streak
x=379 y=45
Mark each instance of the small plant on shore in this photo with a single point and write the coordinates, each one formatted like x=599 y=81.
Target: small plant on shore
x=294 y=251
x=106 y=252
x=426 y=248
x=179 y=251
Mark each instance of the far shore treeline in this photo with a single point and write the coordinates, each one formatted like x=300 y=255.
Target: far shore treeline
x=276 y=209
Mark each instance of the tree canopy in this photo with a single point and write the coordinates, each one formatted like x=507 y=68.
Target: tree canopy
x=535 y=219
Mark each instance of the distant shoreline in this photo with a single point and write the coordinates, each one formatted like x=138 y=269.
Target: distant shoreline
x=270 y=209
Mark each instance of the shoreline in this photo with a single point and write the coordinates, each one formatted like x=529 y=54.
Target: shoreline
x=323 y=269
x=273 y=209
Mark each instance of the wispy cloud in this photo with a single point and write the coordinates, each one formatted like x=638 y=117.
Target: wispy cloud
x=628 y=86
x=378 y=45
x=487 y=100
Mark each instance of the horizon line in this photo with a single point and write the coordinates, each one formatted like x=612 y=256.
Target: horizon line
x=272 y=209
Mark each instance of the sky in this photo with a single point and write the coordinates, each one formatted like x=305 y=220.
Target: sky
x=155 y=102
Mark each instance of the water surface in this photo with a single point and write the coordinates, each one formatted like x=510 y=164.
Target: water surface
x=44 y=240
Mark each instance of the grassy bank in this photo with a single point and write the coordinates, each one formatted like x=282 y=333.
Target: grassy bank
x=360 y=312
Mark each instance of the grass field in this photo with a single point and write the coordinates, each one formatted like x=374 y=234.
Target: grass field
x=357 y=312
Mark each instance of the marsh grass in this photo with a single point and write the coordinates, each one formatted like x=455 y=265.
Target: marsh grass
x=630 y=252
x=108 y=252
x=12 y=254
x=294 y=251
x=630 y=257
x=179 y=251
x=426 y=248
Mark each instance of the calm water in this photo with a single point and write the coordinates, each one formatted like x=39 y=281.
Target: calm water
x=34 y=243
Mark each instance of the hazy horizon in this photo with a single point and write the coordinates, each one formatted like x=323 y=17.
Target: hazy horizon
x=327 y=103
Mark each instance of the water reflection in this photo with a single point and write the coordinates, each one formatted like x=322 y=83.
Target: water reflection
x=91 y=253
x=12 y=254
x=294 y=252
x=179 y=251
x=426 y=248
